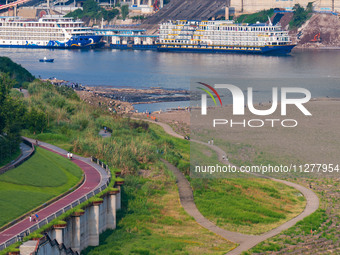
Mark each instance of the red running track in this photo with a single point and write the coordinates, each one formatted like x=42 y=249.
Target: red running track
x=92 y=180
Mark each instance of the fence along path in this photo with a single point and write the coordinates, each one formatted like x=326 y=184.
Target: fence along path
x=96 y=180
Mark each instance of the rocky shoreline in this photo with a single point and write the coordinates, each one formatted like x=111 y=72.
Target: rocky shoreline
x=141 y=96
x=121 y=100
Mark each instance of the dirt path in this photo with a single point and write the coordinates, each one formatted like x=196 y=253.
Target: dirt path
x=104 y=134
x=24 y=91
x=246 y=241
x=95 y=177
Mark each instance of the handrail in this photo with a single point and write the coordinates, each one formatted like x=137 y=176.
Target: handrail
x=52 y=216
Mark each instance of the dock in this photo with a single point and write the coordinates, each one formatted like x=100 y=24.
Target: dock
x=127 y=38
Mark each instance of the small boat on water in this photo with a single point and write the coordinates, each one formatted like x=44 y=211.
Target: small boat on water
x=46 y=60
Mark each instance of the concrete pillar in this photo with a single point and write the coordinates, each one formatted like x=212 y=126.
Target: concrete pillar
x=15 y=10
x=111 y=211
x=76 y=233
x=118 y=199
x=161 y=4
x=150 y=2
x=59 y=235
x=227 y=13
x=138 y=3
x=94 y=225
x=28 y=247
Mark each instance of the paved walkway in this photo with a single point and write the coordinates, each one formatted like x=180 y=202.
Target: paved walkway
x=246 y=241
x=95 y=177
x=25 y=151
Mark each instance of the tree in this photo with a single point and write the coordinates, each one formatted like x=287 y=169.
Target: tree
x=309 y=8
x=124 y=11
x=12 y=112
x=36 y=121
x=300 y=15
x=91 y=6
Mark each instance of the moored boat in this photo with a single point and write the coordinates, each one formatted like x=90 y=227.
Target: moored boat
x=50 y=60
x=50 y=31
x=223 y=37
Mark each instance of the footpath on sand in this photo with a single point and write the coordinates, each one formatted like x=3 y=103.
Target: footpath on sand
x=94 y=175
x=245 y=241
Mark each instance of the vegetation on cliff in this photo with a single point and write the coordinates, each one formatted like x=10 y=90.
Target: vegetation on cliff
x=261 y=16
x=19 y=75
x=92 y=10
x=12 y=112
x=301 y=15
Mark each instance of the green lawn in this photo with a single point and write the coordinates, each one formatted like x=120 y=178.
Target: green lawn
x=250 y=206
x=37 y=180
x=241 y=202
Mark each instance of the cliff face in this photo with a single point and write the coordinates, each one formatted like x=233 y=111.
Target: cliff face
x=327 y=25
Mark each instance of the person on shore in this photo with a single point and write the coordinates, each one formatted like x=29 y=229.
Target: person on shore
x=212 y=142
x=30 y=218
x=36 y=142
x=104 y=129
x=37 y=217
x=68 y=155
x=71 y=155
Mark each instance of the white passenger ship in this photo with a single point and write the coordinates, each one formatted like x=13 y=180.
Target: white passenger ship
x=50 y=31
x=223 y=37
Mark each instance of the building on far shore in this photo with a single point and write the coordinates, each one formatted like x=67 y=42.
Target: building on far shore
x=249 y=6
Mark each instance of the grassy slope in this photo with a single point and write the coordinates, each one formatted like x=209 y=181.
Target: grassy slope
x=39 y=179
x=131 y=149
x=250 y=206
x=15 y=71
x=153 y=222
x=247 y=205
x=324 y=223
x=261 y=16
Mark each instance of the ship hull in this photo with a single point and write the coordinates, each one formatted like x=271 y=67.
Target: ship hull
x=272 y=50
x=76 y=42
x=133 y=47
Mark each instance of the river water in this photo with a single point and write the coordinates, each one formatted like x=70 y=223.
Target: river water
x=316 y=70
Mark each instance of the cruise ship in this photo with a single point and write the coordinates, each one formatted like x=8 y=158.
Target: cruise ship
x=223 y=37
x=50 y=31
